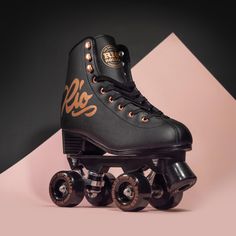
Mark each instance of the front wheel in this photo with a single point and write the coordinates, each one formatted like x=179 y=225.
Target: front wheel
x=162 y=199
x=166 y=202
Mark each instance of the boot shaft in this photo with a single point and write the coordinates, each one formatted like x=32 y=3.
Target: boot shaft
x=99 y=56
x=90 y=58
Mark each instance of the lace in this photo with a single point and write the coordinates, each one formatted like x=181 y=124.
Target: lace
x=131 y=94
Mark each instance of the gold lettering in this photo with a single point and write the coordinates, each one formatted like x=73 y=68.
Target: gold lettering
x=111 y=56
x=106 y=55
x=75 y=101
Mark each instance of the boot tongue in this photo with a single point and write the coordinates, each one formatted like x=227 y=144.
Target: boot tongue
x=108 y=59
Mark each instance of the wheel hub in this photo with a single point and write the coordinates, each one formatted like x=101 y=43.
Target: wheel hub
x=157 y=193
x=63 y=189
x=128 y=192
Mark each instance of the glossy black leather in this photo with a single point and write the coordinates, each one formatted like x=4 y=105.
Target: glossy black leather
x=109 y=127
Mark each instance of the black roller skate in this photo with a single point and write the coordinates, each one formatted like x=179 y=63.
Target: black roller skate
x=103 y=112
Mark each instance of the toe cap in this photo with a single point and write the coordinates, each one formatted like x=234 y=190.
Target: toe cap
x=184 y=136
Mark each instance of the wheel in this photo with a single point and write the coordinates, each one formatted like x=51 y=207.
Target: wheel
x=66 y=188
x=162 y=199
x=103 y=198
x=131 y=192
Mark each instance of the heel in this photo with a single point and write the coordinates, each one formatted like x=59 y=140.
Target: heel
x=73 y=143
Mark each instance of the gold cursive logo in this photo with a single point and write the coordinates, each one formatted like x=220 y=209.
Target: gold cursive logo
x=76 y=102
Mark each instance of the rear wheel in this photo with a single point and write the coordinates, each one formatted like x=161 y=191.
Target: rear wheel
x=104 y=197
x=66 y=188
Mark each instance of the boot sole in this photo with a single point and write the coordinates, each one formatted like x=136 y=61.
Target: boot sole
x=74 y=143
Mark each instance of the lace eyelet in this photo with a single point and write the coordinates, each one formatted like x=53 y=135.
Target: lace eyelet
x=102 y=91
x=131 y=114
x=144 y=119
x=94 y=80
x=110 y=99
x=120 y=107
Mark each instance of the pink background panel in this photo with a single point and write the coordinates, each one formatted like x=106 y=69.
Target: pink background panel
x=176 y=82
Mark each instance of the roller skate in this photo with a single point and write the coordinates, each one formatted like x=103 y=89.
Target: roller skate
x=102 y=112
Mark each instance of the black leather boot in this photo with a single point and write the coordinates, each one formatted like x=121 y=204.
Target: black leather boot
x=102 y=111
